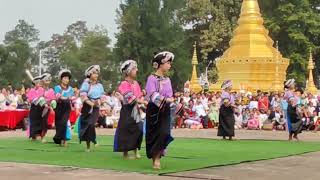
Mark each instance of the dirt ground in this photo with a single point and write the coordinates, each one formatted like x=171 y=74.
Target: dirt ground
x=295 y=167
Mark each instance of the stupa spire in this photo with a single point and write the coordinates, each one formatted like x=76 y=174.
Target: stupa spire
x=194 y=83
x=251 y=60
x=310 y=86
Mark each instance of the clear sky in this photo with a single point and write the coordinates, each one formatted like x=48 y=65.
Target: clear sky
x=53 y=16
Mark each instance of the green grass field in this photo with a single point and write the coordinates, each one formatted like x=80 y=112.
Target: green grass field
x=183 y=154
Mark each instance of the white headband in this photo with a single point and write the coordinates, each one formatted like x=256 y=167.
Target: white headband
x=290 y=82
x=165 y=57
x=64 y=71
x=46 y=77
x=92 y=69
x=127 y=66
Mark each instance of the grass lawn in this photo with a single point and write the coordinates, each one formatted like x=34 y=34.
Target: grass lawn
x=183 y=154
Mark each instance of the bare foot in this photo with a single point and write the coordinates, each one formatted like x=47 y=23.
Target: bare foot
x=138 y=156
x=128 y=157
x=156 y=164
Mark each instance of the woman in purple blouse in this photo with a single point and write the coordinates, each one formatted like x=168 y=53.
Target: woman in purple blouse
x=161 y=101
x=226 y=112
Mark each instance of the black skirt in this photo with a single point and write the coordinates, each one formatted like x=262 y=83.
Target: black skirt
x=38 y=124
x=88 y=119
x=226 y=121
x=128 y=135
x=158 y=135
x=295 y=124
x=61 y=120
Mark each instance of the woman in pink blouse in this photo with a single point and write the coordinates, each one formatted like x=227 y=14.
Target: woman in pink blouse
x=128 y=136
x=41 y=98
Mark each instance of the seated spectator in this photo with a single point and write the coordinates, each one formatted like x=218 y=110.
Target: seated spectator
x=238 y=119
x=262 y=118
x=280 y=120
x=316 y=124
x=275 y=102
x=192 y=121
x=213 y=113
x=245 y=117
x=263 y=102
x=306 y=118
x=200 y=110
x=270 y=123
x=253 y=103
x=253 y=122
x=104 y=112
x=4 y=99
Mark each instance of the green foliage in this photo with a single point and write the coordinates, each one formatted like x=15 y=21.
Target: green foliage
x=147 y=26
x=211 y=24
x=23 y=32
x=13 y=62
x=93 y=50
x=296 y=25
x=185 y=154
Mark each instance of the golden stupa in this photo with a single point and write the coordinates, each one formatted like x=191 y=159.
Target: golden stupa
x=251 y=62
x=310 y=85
x=194 y=83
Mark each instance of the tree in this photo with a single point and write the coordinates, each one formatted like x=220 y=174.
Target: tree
x=147 y=26
x=22 y=31
x=297 y=28
x=93 y=50
x=13 y=63
x=211 y=24
x=17 y=53
x=77 y=31
x=53 y=50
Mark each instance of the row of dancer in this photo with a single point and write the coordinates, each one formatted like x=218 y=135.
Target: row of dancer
x=160 y=109
x=128 y=137
x=43 y=100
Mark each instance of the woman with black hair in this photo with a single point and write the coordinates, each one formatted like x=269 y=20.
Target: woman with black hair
x=158 y=113
x=128 y=136
x=294 y=122
x=226 y=112
x=64 y=94
x=92 y=95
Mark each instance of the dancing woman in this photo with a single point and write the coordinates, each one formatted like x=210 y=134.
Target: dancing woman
x=294 y=122
x=226 y=112
x=49 y=103
x=35 y=118
x=158 y=113
x=128 y=136
x=65 y=95
x=92 y=94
